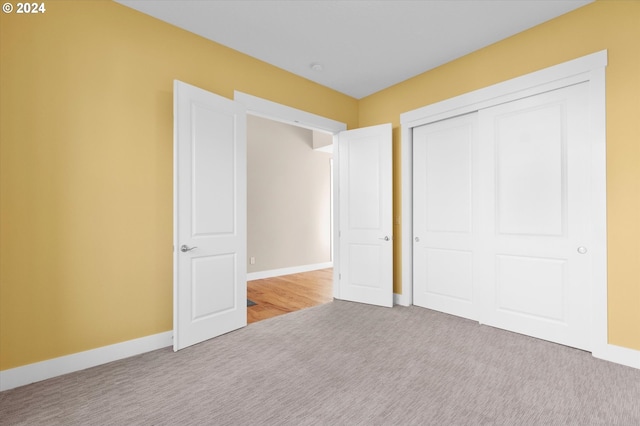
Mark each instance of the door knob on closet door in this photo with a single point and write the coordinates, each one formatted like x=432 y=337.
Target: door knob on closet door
x=185 y=248
x=386 y=238
x=582 y=250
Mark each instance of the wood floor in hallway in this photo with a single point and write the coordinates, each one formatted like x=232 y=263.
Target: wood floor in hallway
x=280 y=295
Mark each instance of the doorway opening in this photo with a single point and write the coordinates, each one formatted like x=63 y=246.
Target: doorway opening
x=323 y=133
x=289 y=220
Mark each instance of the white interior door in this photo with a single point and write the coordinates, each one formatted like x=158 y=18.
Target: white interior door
x=444 y=220
x=366 y=216
x=536 y=263
x=209 y=215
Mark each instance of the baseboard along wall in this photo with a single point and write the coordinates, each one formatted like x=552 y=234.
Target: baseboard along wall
x=618 y=355
x=48 y=369
x=287 y=271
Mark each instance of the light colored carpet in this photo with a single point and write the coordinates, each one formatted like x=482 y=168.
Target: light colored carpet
x=343 y=364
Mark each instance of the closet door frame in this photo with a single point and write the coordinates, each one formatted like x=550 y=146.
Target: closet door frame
x=589 y=69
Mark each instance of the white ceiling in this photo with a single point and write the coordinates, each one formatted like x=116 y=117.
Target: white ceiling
x=363 y=46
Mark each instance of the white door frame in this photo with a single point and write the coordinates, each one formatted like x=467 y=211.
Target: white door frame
x=285 y=114
x=590 y=69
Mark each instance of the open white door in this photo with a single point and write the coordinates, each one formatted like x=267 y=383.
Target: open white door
x=209 y=216
x=366 y=216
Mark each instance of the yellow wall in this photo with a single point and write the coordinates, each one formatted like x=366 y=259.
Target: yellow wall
x=86 y=134
x=612 y=25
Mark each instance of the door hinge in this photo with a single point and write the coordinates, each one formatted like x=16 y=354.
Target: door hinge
x=339 y=276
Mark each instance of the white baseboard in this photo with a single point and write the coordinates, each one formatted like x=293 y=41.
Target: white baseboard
x=287 y=271
x=400 y=299
x=618 y=355
x=38 y=371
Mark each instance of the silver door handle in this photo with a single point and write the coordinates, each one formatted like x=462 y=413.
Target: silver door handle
x=385 y=238
x=184 y=248
x=582 y=250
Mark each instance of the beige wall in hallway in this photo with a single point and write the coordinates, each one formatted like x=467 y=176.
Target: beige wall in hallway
x=288 y=197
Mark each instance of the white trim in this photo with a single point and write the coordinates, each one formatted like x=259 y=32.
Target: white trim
x=174 y=259
x=287 y=271
x=275 y=111
x=598 y=210
x=527 y=85
x=591 y=69
x=43 y=370
x=284 y=114
x=335 y=215
x=401 y=299
x=619 y=355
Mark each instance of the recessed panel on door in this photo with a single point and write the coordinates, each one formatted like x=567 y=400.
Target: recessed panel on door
x=363 y=184
x=213 y=171
x=449 y=274
x=447 y=154
x=532 y=286
x=207 y=299
x=531 y=171
x=365 y=257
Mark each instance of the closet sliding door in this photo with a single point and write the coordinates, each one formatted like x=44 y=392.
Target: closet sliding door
x=501 y=216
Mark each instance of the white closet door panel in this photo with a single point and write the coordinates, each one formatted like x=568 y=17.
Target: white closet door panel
x=444 y=203
x=535 y=210
x=530 y=160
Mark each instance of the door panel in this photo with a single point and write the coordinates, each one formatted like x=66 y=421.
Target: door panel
x=209 y=301
x=444 y=237
x=533 y=287
x=535 y=214
x=362 y=256
x=213 y=170
x=366 y=228
x=449 y=273
x=531 y=167
x=447 y=155
x=210 y=215
x=363 y=186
